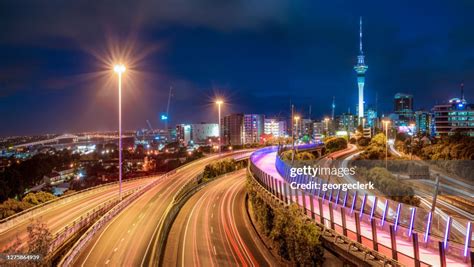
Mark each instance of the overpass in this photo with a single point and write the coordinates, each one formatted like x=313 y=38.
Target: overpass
x=75 y=138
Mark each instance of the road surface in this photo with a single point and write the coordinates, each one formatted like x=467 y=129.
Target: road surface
x=129 y=238
x=213 y=229
x=58 y=215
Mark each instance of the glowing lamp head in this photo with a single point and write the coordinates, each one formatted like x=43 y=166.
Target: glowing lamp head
x=297 y=118
x=219 y=102
x=119 y=68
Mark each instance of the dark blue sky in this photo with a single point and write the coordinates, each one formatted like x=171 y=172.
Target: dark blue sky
x=259 y=55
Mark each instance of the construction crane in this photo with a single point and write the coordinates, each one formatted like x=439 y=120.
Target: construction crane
x=149 y=125
x=168 y=108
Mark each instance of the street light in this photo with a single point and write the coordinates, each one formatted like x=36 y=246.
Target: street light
x=219 y=103
x=297 y=118
x=412 y=126
x=119 y=69
x=386 y=123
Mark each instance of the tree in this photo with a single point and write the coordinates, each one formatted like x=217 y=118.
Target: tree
x=335 y=143
x=39 y=238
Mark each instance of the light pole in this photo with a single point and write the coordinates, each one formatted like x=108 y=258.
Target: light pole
x=386 y=123
x=412 y=125
x=119 y=69
x=219 y=103
x=297 y=118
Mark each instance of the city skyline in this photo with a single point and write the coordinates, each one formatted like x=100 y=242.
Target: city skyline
x=273 y=55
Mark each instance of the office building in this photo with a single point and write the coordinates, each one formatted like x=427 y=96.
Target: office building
x=183 y=134
x=403 y=107
x=347 y=122
x=253 y=128
x=455 y=116
x=202 y=132
x=276 y=128
x=232 y=129
x=422 y=122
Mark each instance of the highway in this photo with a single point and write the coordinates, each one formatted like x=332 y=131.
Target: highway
x=213 y=229
x=57 y=216
x=129 y=238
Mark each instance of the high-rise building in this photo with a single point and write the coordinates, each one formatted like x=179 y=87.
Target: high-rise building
x=306 y=127
x=232 y=129
x=347 y=122
x=318 y=129
x=422 y=122
x=372 y=117
x=183 y=134
x=403 y=107
x=455 y=116
x=275 y=127
x=360 y=69
x=253 y=128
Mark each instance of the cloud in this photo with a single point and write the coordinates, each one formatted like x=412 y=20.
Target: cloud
x=85 y=20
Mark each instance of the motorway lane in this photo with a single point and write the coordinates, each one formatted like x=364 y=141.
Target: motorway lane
x=213 y=229
x=60 y=215
x=129 y=238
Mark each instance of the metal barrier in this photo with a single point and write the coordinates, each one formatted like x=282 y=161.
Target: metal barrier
x=406 y=219
x=7 y=223
x=337 y=210
x=70 y=257
x=353 y=251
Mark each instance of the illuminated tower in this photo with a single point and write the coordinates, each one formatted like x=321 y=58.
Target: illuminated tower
x=360 y=68
x=333 y=107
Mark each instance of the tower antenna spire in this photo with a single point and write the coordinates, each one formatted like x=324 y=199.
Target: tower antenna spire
x=360 y=35
x=462 y=91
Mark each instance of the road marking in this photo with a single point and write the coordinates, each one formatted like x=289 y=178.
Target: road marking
x=128 y=232
x=212 y=230
x=115 y=250
x=121 y=240
x=214 y=205
x=212 y=215
x=214 y=248
x=107 y=262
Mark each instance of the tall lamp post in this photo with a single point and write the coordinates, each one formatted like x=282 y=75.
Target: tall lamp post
x=219 y=103
x=119 y=69
x=412 y=126
x=297 y=118
x=386 y=123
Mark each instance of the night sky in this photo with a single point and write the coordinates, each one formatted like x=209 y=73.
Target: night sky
x=260 y=56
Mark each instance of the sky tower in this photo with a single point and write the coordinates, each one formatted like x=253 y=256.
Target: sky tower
x=360 y=68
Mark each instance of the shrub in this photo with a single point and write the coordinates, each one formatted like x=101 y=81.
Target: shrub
x=335 y=143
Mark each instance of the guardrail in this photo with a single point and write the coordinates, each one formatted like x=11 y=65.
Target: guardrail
x=72 y=254
x=7 y=223
x=431 y=226
x=378 y=220
x=352 y=251
x=64 y=236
